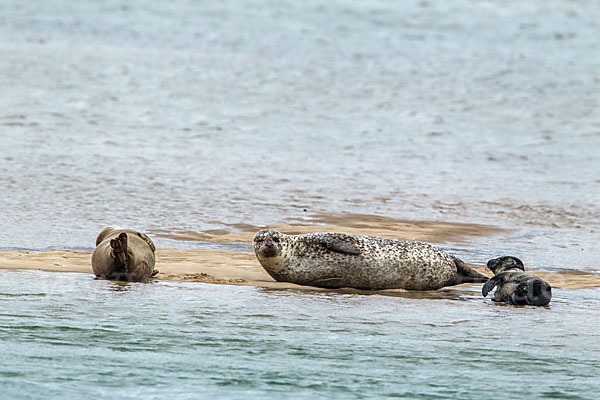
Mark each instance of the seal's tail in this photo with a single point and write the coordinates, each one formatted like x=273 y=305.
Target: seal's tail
x=465 y=274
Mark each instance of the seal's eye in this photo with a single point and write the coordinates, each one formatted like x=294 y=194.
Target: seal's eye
x=275 y=239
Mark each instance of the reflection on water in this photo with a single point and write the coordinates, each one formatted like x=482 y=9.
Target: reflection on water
x=117 y=286
x=97 y=338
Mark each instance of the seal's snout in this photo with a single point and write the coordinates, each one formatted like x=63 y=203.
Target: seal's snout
x=269 y=243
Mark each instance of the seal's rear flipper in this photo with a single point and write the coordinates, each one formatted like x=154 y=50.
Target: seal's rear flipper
x=119 y=252
x=534 y=292
x=465 y=274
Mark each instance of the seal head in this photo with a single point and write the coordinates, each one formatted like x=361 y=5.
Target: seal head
x=104 y=233
x=505 y=263
x=272 y=250
x=268 y=243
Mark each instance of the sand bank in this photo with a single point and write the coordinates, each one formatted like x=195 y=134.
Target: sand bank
x=225 y=267
x=236 y=268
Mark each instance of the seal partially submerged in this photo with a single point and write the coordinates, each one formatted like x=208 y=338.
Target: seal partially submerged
x=335 y=260
x=123 y=254
x=514 y=286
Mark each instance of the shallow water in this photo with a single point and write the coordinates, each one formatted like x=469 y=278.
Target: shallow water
x=68 y=335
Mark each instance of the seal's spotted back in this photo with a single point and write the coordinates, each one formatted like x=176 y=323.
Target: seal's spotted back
x=365 y=262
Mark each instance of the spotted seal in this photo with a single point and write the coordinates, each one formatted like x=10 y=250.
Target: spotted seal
x=123 y=254
x=334 y=260
x=514 y=286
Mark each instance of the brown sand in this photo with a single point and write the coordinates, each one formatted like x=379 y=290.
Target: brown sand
x=226 y=267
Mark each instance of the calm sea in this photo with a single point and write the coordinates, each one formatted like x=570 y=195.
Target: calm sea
x=193 y=115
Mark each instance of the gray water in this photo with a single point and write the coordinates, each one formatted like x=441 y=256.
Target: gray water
x=193 y=115
x=196 y=115
x=70 y=336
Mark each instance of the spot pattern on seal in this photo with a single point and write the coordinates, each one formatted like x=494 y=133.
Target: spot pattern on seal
x=364 y=262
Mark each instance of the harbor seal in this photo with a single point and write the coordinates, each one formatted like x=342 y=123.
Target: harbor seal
x=334 y=260
x=123 y=254
x=514 y=286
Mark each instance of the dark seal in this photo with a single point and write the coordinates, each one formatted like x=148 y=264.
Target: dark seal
x=514 y=286
x=123 y=254
x=335 y=260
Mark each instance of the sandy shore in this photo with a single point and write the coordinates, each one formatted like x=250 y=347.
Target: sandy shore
x=234 y=268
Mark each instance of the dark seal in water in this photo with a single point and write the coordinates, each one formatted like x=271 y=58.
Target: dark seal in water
x=514 y=286
x=335 y=260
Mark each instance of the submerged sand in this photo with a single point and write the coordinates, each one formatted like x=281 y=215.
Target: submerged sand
x=236 y=268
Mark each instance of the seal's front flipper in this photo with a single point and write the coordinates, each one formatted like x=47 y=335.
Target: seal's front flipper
x=339 y=245
x=119 y=251
x=465 y=274
x=489 y=285
x=331 y=283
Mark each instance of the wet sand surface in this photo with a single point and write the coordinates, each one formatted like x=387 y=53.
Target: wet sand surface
x=242 y=268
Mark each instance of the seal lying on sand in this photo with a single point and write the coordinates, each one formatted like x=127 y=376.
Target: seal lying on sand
x=514 y=285
x=335 y=260
x=123 y=254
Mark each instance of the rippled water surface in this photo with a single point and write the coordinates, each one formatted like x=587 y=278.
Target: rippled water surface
x=192 y=115
x=68 y=335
